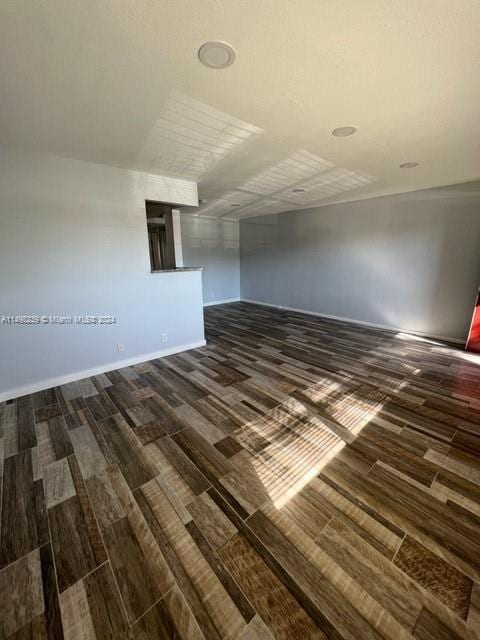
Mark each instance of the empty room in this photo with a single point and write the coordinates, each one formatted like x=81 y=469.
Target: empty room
x=239 y=319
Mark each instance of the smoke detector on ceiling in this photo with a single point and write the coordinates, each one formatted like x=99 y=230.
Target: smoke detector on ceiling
x=216 y=54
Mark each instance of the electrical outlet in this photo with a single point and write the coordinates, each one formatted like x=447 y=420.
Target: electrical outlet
x=120 y=348
x=164 y=337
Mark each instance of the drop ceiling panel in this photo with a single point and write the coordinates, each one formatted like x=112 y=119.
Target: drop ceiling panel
x=190 y=137
x=294 y=169
x=328 y=184
x=226 y=203
x=260 y=208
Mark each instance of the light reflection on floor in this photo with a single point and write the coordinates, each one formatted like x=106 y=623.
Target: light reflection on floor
x=290 y=445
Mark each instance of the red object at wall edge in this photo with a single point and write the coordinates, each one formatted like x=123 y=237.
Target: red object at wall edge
x=473 y=340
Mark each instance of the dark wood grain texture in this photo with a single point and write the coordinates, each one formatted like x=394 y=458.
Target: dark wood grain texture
x=296 y=478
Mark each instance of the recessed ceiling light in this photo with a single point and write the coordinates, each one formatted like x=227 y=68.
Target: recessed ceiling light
x=409 y=165
x=216 y=54
x=298 y=190
x=343 y=132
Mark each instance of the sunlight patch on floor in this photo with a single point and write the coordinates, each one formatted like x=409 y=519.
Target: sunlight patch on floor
x=415 y=338
x=291 y=444
x=287 y=465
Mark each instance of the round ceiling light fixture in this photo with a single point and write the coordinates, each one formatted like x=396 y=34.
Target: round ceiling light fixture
x=409 y=165
x=343 y=132
x=216 y=54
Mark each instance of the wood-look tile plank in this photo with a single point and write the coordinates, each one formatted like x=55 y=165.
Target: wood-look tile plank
x=149 y=432
x=474 y=608
x=188 y=391
x=106 y=610
x=170 y=475
x=87 y=450
x=429 y=627
x=428 y=520
x=106 y=505
x=462 y=469
x=44 y=398
x=78 y=389
x=141 y=571
x=191 y=416
x=157 y=623
x=34 y=630
x=249 y=482
x=228 y=446
x=44 y=453
x=89 y=518
x=210 y=461
x=23 y=526
x=74 y=554
x=25 y=423
x=58 y=482
x=138 y=587
x=434 y=574
x=256 y=630
x=140 y=414
x=47 y=412
x=348 y=586
x=213 y=523
x=168 y=619
x=169 y=421
x=229 y=584
x=52 y=615
x=21 y=593
x=282 y=614
x=182 y=578
x=120 y=395
x=59 y=436
x=120 y=446
x=215 y=599
x=76 y=616
x=183 y=465
x=366 y=523
x=101 y=406
x=319 y=591
x=392 y=597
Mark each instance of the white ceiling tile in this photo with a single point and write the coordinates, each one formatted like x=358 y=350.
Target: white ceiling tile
x=190 y=138
x=294 y=169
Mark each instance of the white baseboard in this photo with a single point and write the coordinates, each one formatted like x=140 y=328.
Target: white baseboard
x=360 y=322
x=226 y=301
x=111 y=366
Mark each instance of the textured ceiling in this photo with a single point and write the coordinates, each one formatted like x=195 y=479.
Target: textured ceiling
x=119 y=83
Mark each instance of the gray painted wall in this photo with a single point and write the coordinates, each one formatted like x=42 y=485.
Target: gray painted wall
x=410 y=261
x=213 y=244
x=73 y=241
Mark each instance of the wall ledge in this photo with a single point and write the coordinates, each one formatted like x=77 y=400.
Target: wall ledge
x=86 y=373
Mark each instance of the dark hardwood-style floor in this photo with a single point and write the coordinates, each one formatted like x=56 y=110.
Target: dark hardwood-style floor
x=297 y=478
